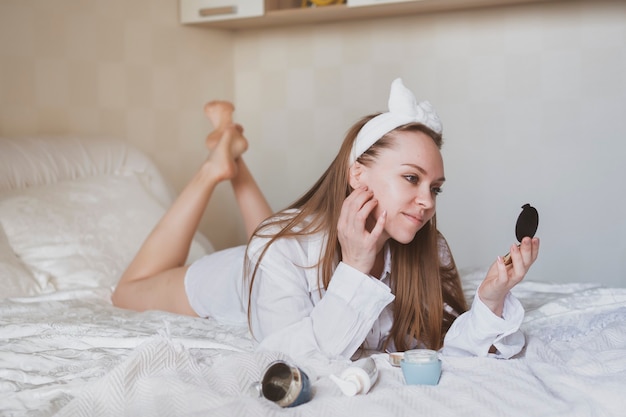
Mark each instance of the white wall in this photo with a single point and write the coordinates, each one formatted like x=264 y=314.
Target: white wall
x=118 y=68
x=533 y=100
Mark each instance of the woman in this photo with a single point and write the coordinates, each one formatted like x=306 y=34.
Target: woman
x=356 y=262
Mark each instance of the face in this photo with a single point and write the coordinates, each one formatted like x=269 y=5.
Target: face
x=405 y=179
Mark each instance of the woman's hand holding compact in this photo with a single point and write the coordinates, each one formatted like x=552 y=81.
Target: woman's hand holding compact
x=502 y=278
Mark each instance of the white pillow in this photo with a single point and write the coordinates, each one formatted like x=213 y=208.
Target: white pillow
x=81 y=233
x=15 y=279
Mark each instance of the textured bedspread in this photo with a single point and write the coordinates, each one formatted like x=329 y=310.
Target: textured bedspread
x=73 y=354
x=50 y=346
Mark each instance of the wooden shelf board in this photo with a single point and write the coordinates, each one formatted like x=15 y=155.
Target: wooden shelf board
x=336 y=13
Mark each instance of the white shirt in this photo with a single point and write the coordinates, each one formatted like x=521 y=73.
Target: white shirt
x=292 y=314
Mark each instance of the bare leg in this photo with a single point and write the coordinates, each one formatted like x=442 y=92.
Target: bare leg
x=154 y=279
x=252 y=204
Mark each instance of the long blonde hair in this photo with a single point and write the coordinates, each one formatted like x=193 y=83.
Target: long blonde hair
x=422 y=280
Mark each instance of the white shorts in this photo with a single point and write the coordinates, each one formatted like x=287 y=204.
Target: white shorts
x=214 y=286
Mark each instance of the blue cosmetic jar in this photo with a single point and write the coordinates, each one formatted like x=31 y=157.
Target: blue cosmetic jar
x=421 y=367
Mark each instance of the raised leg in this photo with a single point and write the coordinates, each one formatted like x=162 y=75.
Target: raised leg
x=155 y=277
x=252 y=204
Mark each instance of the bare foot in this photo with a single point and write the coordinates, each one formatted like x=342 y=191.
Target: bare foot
x=221 y=162
x=220 y=114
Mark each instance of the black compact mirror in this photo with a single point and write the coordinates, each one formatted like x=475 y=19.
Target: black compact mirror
x=527 y=223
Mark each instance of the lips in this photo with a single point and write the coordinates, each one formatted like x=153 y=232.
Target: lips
x=416 y=219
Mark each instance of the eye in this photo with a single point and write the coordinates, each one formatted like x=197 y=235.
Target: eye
x=436 y=190
x=413 y=179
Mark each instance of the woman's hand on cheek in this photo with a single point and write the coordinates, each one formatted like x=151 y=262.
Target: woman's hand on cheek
x=502 y=278
x=358 y=245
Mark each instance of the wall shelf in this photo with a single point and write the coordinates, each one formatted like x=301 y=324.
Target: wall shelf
x=276 y=13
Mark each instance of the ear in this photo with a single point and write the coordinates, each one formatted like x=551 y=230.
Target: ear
x=355 y=173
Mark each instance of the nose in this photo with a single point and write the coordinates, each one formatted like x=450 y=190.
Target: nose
x=425 y=198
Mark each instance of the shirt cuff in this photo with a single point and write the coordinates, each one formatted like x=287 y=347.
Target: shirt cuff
x=476 y=330
x=487 y=322
x=504 y=331
x=357 y=288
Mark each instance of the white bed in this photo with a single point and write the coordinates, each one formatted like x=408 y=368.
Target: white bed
x=73 y=212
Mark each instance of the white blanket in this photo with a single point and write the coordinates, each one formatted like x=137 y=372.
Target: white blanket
x=574 y=365
x=52 y=345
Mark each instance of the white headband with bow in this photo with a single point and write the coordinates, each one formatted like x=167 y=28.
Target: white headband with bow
x=403 y=109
